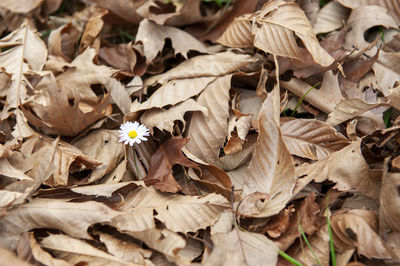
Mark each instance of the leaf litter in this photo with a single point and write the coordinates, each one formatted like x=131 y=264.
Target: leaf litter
x=274 y=132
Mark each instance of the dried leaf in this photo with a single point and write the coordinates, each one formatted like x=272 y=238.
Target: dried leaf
x=357 y=228
x=153 y=37
x=161 y=162
x=199 y=66
x=70 y=217
x=173 y=210
x=350 y=108
x=164 y=119
x=207 y=134
x=390 y=5
x=52 y=118
x=27 y=52
x=242 y=248
x=361 y=19
x=271 y=169
x=311 y=139
x=20 y=6
x=330 y=17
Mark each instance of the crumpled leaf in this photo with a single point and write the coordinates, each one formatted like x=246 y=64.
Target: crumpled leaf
x=199 y=66
x=81 y=74
x=391 y=6
x=207 y=134
x=363 y=18
x=349 y=108
x=242 y=248
x=29 y=249
x=164 y=119
x=357 y=228
x=58 y=117
x=161 y=162
x=271 y=169
x=20 y=6
x=311 y=139
x=171 y=209
x=281 y=20
x=73 y=218
x=69 y=245
x=26 y=52
x=153 y=37
x=330 y=17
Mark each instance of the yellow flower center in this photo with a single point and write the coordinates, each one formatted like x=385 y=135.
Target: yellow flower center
x=132 y=134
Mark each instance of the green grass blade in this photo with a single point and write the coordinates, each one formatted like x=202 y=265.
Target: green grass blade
x=302 y=98
x=289 y=258
x=331 y=245
x=308 y=244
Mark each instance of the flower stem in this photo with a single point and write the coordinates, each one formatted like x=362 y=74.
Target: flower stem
x=134 y=160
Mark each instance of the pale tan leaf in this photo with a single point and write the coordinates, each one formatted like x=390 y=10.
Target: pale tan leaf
x=242 y=248
x=29 y=249
x=52 y=117
x=66 y=244
x=357 y=228
x=389 y=208
x=350 y=108
x=119 y=94
x=192 y=250
x=207 y=134
x=173 y=92
x=392 y=6
x=311 y=139
x=27 y=52
x=70 y=217
x=119 y=247
x=281 y=20
x=179 y=213
x=330 y=17
x=387 y=71
x=239 y=33
x=326 y=98
x=62 y=41
x=103 y=146
x=82 y=75
x=164 y=119
x=363 y=18
x=271 y=169
x=232 y=161
x=7 y=197
x=153 y=37
x=199 y=66
x=164 y=241
x=8 y=258
x=347 y=168
x=20 y=6
x=7 y=169
x=92 y=30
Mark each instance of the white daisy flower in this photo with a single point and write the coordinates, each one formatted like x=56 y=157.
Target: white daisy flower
x=132 y=133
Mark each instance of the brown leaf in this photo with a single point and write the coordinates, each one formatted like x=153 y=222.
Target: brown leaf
x=363 y=18
x=29 y=249
x=164 y=119
x=207 y=134
x=241 y=248
x=52 y=118
x=271 y=169
x=92 y=29
x=52 y=213
x=161 y=162
x=62 y=41
x=357 y=228
x=347 y=168
x=153 y=37
x=330 y=17
x=20 y=6
x=27 y=52
x=311 y=139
